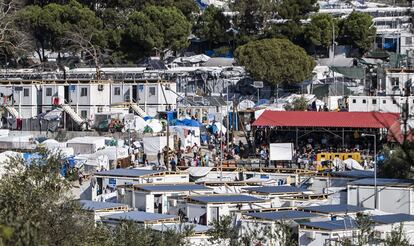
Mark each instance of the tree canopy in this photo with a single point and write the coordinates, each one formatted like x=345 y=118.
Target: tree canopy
x=158 y=28
x=358 y=30
x=277 y=61
x=320 y=30
x=36 y=209
x=213 y=26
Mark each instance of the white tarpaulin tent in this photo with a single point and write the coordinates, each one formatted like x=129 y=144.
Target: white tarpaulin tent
x=198 y=172
x=153 y=144
x=92 y=162
x=113 y=153
x=155 y=125
x=352 y=164
x=139 y=124
x=17 y=142
x=87 y=145
x=189 y=135
x=245 y=104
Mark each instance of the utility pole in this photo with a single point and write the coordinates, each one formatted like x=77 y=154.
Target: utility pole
x=221 y=146
x=227 y=117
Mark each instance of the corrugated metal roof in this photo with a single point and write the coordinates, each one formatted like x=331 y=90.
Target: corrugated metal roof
x=326 y=119
x=392 y=218
x=282 y=215
x=275 y=189
x=196 y=228
x=125 y=172
x=333 y=209
x=172 y=187
x=226 y=199
x=93 y=205
x=384 y=182
x=335 y=225
x=139 y=216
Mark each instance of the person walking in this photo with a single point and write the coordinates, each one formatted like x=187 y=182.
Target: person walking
x=159 y=158
x=173 y=165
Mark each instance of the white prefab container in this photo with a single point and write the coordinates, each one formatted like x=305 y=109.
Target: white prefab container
x=205 y=209
x=394 y=195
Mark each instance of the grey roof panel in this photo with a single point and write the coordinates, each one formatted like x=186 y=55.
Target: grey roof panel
x=196 y=228
x=173 y=187
x=384 y=182
x=93 y=205
x=282 y=215
x=354 y=174
x=126 y=172
x=275 y=189
x=334 y=225
x=392 y=218
x=337 y=208
x=139 y=216
x=226 y=199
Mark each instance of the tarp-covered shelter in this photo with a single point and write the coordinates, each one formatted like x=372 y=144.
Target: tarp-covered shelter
x=350 y=72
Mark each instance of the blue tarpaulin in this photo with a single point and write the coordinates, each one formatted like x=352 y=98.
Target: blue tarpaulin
x=186 y=122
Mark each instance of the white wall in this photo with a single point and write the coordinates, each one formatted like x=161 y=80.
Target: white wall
x=194 y=211
x=390 y=199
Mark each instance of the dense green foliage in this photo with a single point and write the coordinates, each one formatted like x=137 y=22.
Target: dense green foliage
x=320 y=30
x=120 y=32
x=277 y=61
x=396 y=237
x=213 y=26
x=398 y=162
x=36 y=209
x=357 y=30
x=34 y=205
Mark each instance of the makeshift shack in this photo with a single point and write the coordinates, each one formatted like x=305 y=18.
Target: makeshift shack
x=274 y=193
x=141 y=218
x=264 y=223
x=205 y=209
x=335 y=231
x=154 y=197
x=198 y=237
x=106 y=181
x=100 y=209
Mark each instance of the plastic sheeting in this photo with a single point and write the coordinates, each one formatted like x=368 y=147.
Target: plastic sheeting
x=189 y=135
x=199 y=172
x=352 y=164
x=154 y=144
x=245 y=104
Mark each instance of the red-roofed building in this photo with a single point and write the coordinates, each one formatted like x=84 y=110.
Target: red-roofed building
x=326 y=119
x=304 y=127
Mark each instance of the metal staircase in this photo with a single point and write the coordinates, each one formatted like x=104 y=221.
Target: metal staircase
x=75 y=117
x=12 y=111
x=138 y=110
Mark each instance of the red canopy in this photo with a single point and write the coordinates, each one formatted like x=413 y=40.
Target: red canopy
x=327 y=119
